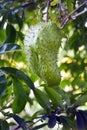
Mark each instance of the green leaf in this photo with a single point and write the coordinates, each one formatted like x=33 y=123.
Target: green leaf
x=81 y=100
x=3 y=83
x=20 y=97
x=15 y=19
x=8 y=47
x=11 y=34
x=54 y=96
x=21 y=36
x=19 y=21
x=54 y=2
x=2 y=35
x=42 y=98
x=20 y=75
x=64 y=83
x=69 y=4
x=4 y=125
x=67 y=123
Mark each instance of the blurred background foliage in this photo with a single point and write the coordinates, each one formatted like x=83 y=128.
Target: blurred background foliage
x=20 y=98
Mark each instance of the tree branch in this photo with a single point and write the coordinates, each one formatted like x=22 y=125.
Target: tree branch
x=69 y=16
x=48 y=5
x=82 y=12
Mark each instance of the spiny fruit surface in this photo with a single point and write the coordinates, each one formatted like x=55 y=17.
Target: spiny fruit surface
x=41 y=43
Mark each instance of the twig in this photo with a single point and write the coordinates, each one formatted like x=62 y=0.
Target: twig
x=78 y=7
x=82 y=12
x=61 y=7
x=27 y=127
x=7 y=104
x=69 y=16
x=27 y=4
x=48 y=5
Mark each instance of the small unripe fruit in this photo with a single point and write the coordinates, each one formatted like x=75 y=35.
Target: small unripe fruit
x=41 y=43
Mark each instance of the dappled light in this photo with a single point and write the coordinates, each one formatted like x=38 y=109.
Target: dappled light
x=43 y=65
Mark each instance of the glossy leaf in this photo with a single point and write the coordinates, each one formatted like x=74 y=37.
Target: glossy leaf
x=11 y=34
x=20 y=97
x=81 y=100
x=3 y=83
x=20 y=75
x=19 y=21
x=9 y=47
x=67 y=123
x=54 y=96
x=42 y=98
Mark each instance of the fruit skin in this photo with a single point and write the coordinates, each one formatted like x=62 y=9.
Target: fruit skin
x=41 y=47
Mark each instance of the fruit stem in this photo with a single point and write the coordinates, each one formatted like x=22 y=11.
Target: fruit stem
x=47 y=14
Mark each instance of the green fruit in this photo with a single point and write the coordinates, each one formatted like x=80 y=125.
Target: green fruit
x=41 y=46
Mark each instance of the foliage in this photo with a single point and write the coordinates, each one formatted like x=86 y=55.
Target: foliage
x=63 y=104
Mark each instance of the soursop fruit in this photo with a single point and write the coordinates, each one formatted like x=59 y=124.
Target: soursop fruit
x=41 y=46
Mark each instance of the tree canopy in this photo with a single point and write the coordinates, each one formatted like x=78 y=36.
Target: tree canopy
x=24 y=95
